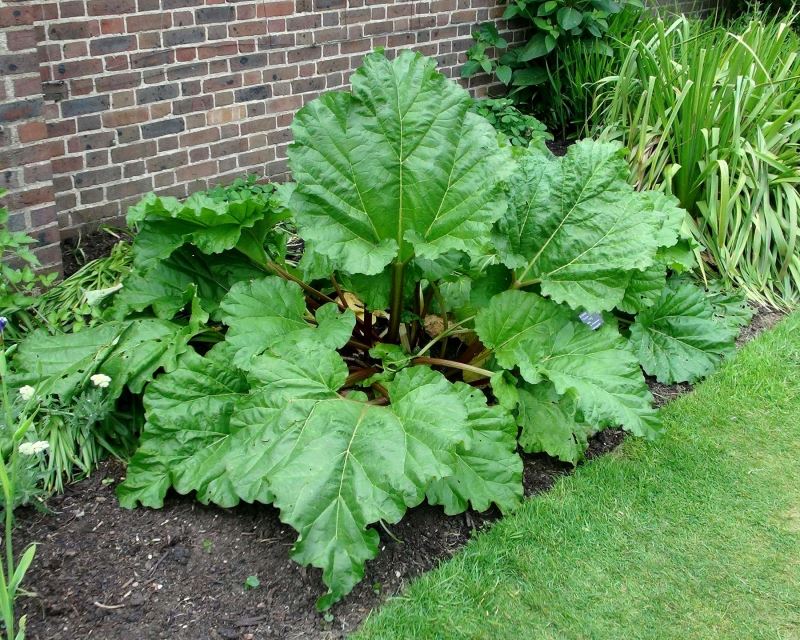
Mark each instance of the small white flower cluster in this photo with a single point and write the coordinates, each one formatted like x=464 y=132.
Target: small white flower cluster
x=27 y=392
x=32 y=448
x=100 y=380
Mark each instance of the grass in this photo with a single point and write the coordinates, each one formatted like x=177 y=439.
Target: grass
x=710 y=114
x=696 y=535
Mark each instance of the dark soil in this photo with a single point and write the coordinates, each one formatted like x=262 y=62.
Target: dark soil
x=76 y=252
x=179 y=572
x=558 y=147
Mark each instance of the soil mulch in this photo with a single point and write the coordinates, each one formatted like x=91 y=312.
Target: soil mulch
x=76 y=252
x=179 y=572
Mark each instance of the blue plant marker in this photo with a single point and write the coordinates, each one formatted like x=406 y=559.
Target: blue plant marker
x=592 y=320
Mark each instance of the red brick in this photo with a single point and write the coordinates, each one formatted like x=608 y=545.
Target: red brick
x=113 y=119
x=32 y=131
x=26 y=87
x=137 y=151
x=78 y=49
x=20 y=15
x=67 y=164
x=271 y=9
x=148 y=22
x=38 y=173
x=185 y=54
x=110 y=7
x=77 y=69
x=202 y=136
x=71 y=9
x=217 y=50
x=22 y=39
x=23 y=199
x=202 y=170
x=112 y=25
x=117 y=81
x=244 y=29
x=74 y=30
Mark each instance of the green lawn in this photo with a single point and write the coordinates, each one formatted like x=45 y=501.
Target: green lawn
x=694 y=536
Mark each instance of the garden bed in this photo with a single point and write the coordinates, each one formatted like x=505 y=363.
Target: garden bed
x=179 y=572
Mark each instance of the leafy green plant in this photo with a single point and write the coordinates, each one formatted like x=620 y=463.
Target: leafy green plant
x=430 y=329
x=252 y=582
x=520 y=129
x=556 y=25
x=13 y=446
x=79 y=300
x=19 y=283
x=710 y=116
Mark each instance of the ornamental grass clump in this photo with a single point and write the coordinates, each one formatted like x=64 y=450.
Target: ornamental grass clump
x=711 y=115
x=428 y=333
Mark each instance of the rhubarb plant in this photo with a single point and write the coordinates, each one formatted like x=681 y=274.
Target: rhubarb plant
x=431 y=330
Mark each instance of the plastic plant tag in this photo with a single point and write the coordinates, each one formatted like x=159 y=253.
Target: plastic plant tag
x=592 y=320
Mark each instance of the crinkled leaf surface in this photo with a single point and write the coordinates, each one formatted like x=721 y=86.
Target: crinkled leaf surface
x=549 y=423
x=730 y=307
x=490 y=471
x=210 y=224
x=167 y=286
x=337 y=466
x=128 y=351
x=398 y=167
x=575 y=226
x=188 y=435
x=545 y=342
x=678 y=339
x=333 y=465
x=643 y=288
x=263 y=311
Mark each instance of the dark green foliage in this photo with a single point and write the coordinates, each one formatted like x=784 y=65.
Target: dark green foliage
x=535 y=69
x=520 y=129
x=20 y=284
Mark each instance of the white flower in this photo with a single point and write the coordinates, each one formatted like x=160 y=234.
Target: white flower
x=32 y=448
x=100 y=380
x=41 y=445
x=27 y=392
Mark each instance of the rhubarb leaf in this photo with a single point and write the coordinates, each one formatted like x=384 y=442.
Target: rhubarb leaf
x=397 y=168
x=678 y=339
x=546 y=342
x=575 y=227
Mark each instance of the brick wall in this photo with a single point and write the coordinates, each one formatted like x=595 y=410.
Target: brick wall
x=25 y=144
x=106 y=100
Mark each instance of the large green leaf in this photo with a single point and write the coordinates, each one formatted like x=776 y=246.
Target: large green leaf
x=545 y=342
x=549 y=423
x=332 y=464
x=490 y=470
x=643 y=288
x=128 y=351
x=261 y=312
x=399 y=167
x=678 y=339
x=170 y=284
x=187 y=436
x=338 y=465
x=210 y=224
x=575 y=227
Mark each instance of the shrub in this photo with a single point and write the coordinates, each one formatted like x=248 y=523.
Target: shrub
x=561 y=30
x=431 y=327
